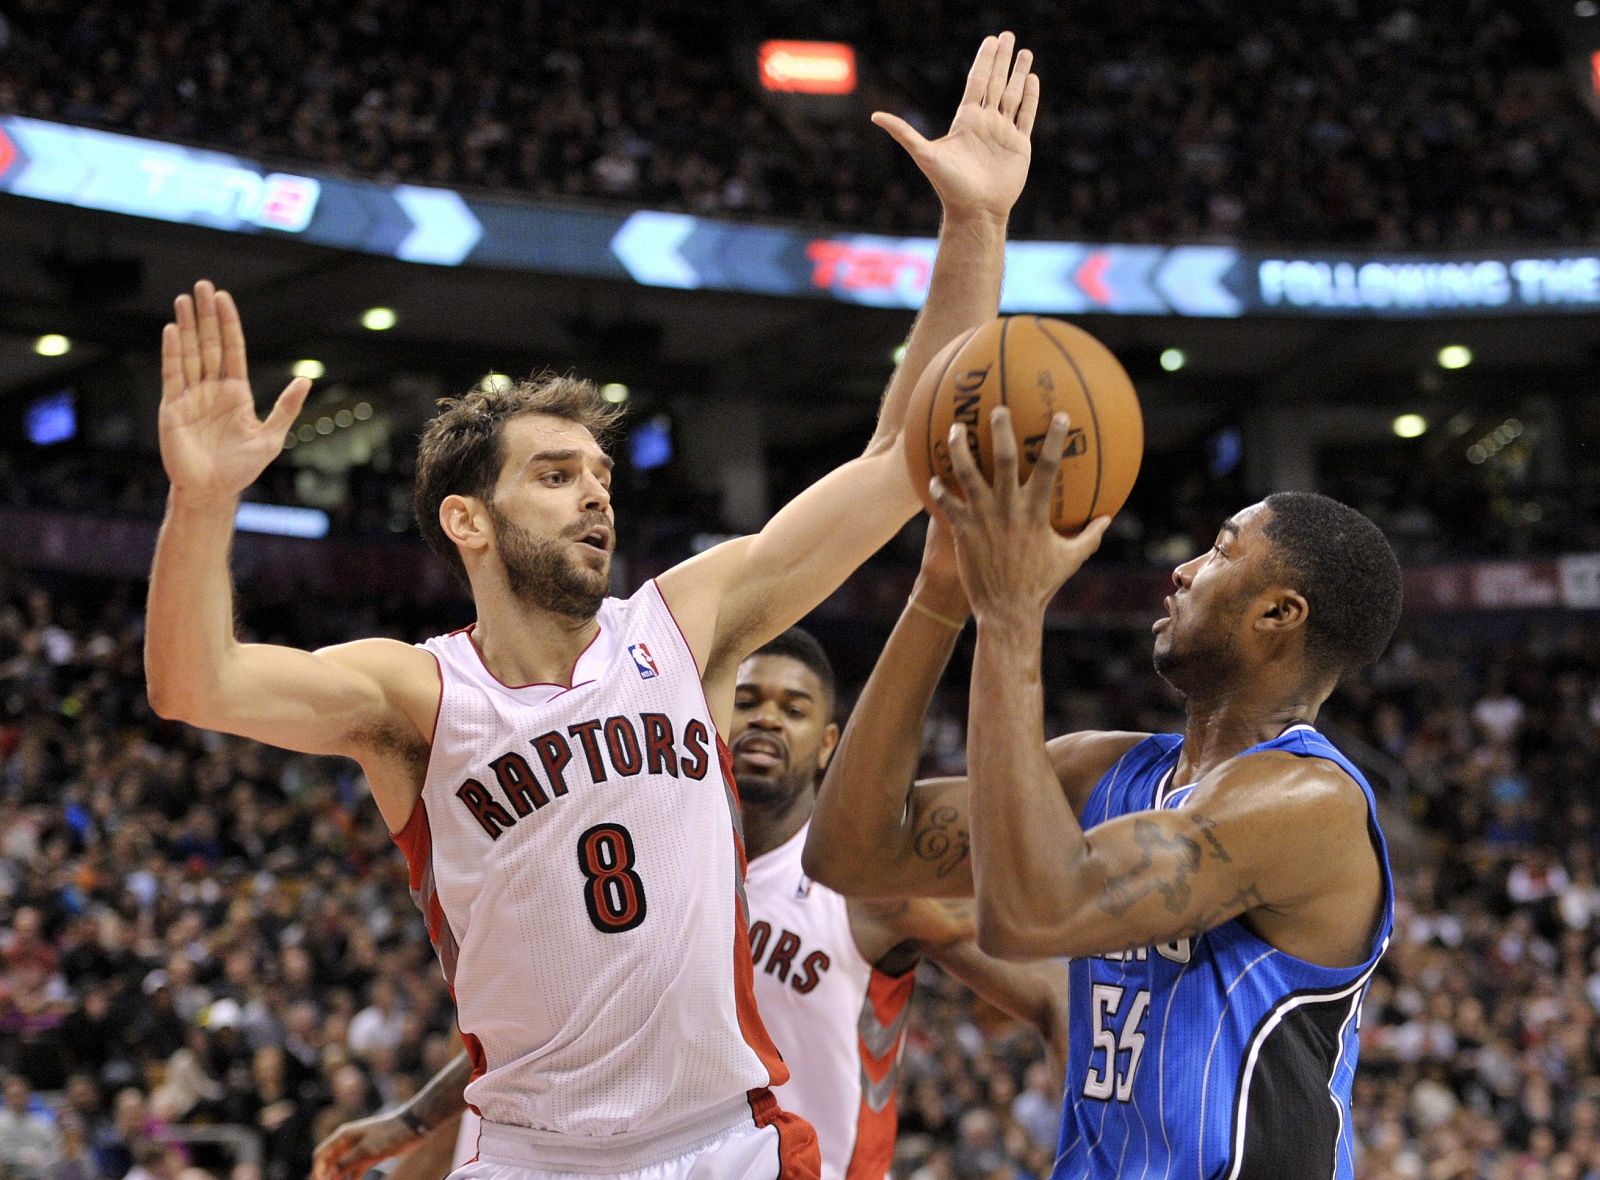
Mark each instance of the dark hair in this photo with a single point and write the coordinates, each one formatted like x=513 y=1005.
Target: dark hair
x=1349 y=575
x=459 y=453
x=799 y=644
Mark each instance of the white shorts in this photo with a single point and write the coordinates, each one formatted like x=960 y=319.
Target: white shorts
x=785 y=1148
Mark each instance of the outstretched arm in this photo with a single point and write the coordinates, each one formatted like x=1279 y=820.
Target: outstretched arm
x=942 y=931
x=874 y=833
x=735 y=597
x=213 y=447
x=1032 y=992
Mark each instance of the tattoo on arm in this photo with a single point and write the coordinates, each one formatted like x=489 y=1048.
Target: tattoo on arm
x=1208 y=833
x=943 y=840
x=1180 y=856
x=1241 y=902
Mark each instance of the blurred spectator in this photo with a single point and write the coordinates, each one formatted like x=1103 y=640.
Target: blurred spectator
x=1371 y=121
x=29 y=1141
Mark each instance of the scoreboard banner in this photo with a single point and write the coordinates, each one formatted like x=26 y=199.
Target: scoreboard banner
x=196 y=186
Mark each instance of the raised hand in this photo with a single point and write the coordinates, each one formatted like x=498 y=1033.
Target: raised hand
x=212 y=444
x=1011 y=559
x=981 y=163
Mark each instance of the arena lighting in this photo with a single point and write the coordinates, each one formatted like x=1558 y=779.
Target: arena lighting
x=807 y=67
x=494 y=383
x=1455 y=356
x=614 y=392
x=52 y=344
x=1409 y=426
x=899 y=353
x=308 y=368
x=1173 y=359
x=281 y=520
x=378 y=319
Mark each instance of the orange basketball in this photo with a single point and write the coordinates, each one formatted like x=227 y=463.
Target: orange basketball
x=1037 y=368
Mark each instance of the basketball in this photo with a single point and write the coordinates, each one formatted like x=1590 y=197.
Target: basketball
x=1036 y=367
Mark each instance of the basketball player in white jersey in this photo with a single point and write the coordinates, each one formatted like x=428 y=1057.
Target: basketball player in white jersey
x=553 y=772
x=833 y=977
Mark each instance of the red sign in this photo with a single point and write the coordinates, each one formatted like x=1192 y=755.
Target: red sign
x=1594 y=63
x=864 y=268
x=808 y=67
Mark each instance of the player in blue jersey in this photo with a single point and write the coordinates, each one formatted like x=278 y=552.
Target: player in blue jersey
x=1224 y=894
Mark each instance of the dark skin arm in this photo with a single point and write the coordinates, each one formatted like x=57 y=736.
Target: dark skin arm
x=875 y=833
x=1279 y=838
x=894 y=934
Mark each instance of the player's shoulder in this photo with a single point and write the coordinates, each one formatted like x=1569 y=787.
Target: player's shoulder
x=409 y=676
x=380 y=656
x=1092 y=752
x=1082 y=759
x=1287 y=781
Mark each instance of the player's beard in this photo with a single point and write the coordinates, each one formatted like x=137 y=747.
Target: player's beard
x=540 y=571
x=1191 y=662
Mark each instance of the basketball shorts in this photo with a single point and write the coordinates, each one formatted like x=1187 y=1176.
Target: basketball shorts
x=783 y=1149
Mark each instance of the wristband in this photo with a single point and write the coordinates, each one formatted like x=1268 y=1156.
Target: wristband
x=412 y=1121
x=953 y=624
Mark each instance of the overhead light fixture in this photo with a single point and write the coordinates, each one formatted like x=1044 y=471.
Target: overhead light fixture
x=363 y=411
x=899 y=353
x=615 y=393
x=1455 y=356
x=1410 y=426
x=1173 y=359
x=378 y=319
x=52 y=344
x=494 y=382
x=308 y=368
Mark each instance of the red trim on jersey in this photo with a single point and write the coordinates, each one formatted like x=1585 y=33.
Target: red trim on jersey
x=416 y=841
x=572 y=671
x=480 y=1066
x=799 y=1156
x=687 y=646
x=875 y=1129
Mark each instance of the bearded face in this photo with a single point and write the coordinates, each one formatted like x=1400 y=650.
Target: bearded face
x=552 y=573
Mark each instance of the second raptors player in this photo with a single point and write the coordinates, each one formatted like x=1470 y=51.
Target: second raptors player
x=833 y=977
x=554 y=772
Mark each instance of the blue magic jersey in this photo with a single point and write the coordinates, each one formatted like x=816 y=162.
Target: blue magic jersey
x=1217 y=1058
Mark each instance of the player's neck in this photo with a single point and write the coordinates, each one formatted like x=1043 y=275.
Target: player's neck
x=522 y=644
x=1220 y=728
x=769 y=826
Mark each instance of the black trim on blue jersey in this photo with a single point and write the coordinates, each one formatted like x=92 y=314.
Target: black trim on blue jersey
x=1291 y=1125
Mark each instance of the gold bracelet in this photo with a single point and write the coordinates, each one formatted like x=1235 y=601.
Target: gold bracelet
x=953 y=624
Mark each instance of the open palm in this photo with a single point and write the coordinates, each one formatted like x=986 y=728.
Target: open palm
x=212 y=444
x=981 y=163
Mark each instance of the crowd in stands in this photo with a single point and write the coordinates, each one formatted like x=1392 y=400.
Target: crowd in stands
x=199 y=932
x=1381 y=122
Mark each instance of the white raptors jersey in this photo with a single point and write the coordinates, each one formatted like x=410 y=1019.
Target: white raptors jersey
x=576 y=858
x=837 y=1020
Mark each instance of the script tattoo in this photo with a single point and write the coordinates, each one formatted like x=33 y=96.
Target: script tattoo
x=1179 y=857
x=1208 y=833
x=943 y=840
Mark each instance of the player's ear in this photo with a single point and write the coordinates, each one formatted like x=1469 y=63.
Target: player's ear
x=465 y=521
x=830 y=743
x=1284 y=611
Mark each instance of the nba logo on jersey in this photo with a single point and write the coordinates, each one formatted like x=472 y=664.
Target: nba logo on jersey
x=644 y=661
x=802 y=889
